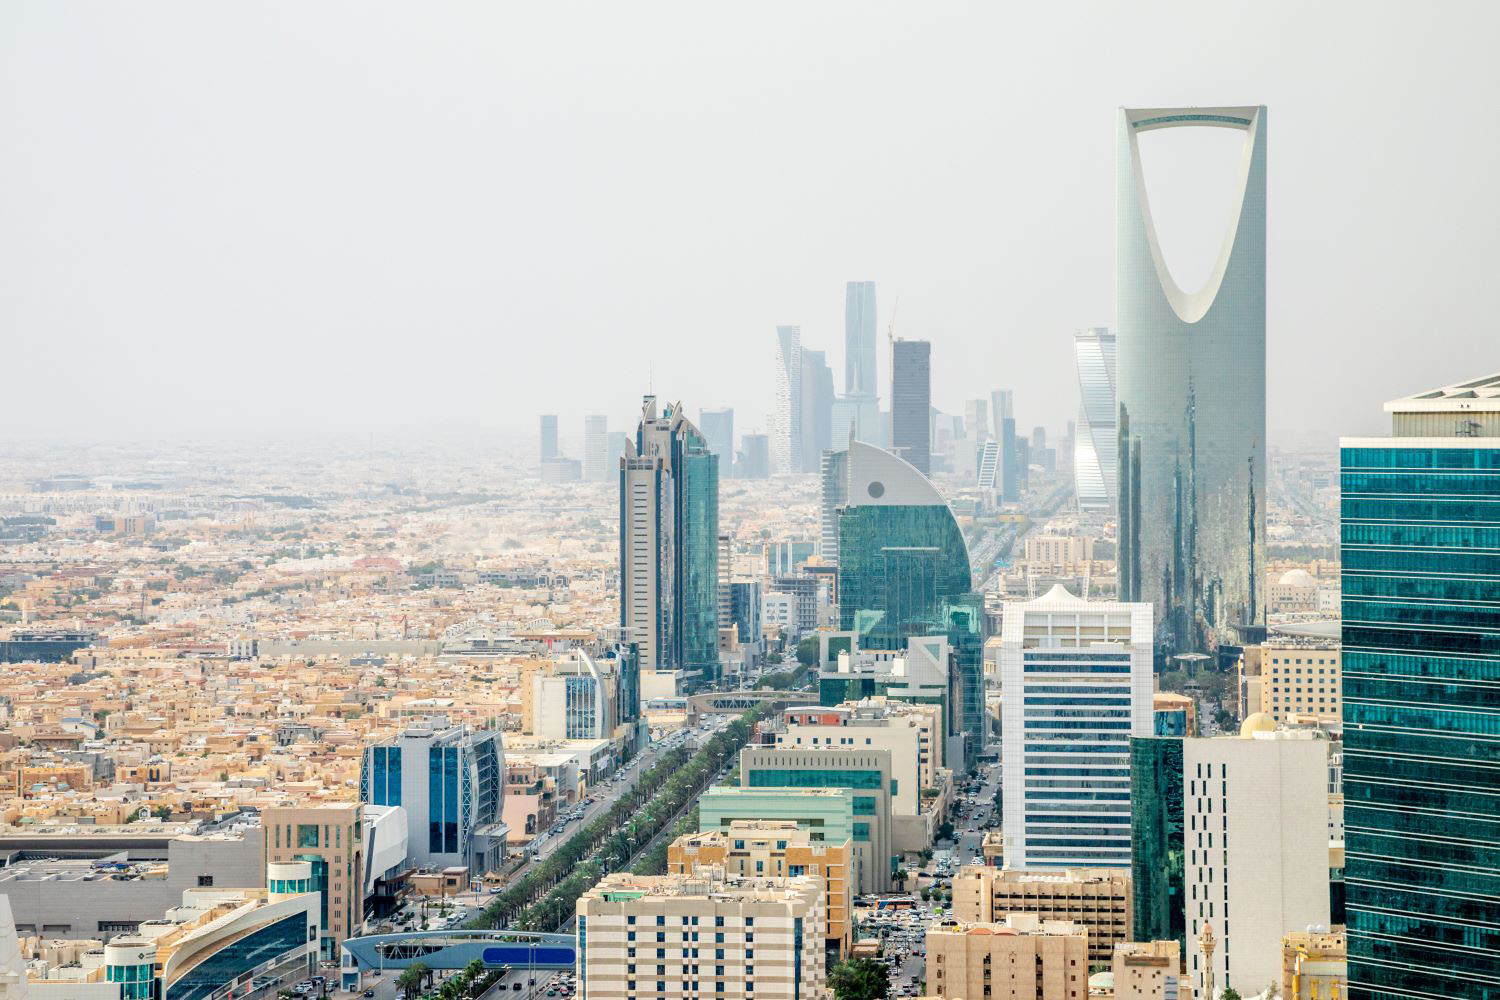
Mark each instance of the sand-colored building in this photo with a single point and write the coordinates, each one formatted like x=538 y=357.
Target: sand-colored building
x=1022 y=958
x=776 y=848
x=1096 y=898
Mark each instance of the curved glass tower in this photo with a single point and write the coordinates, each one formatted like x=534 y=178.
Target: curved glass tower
x=1192 y=402
x=1094 y=445
x=904 y=572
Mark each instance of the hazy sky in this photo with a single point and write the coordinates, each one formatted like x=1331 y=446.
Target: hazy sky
x=232 y=218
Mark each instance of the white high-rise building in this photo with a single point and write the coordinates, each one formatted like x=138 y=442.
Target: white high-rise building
x=786 y=427
x=1255 y=832
x=833 y=493
x=1095 y=466
x=1076 y=684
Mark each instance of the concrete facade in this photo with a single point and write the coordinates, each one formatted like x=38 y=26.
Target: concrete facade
x=1020 y=959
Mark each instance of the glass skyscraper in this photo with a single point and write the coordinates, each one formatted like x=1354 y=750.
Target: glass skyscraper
x=669 y=544
x=786 y=420
x=1192 y=403
x=859 y=339
x=911 y=402
x=1421 y=650
x=904 y=571
x=1094 y=445
x=1156 y=845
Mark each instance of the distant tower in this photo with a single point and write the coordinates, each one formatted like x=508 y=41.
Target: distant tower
x=1095 y=468
x=859 y=339
x=911 y=402
x=833 y=493
x=1192 y=403
x=596 y=448
x=718 y=429
x=549 y=438
x=817 y=408
x=786 y=428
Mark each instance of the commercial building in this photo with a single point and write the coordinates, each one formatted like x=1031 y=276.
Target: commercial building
x=1301 y=681
x=780 y=849
x=1192 y=403
x=1421 y=660
x=596 y=464
x=451 y=782
x=786 y=419
x=1149 y=970
x=864 y=772
x=859 y=339
x=879 y=724
x=1076 y=680
x=665 y=937
x=833 y=493
x=669 y=545
x=718 y=431
x=904 y=573
x=108 y=881
x=1059 y=553
x=924 y=676
x=330 y=840
x=548 y=447
x=817 y=408
x=1256 y=834
x=574 y=699
x=1098 y=899
x=1095 y=444
x=1157 y=853
x=214 y=943
x=911 y=403
x=754 y=461
x=1314 y=965
x=1022 y=958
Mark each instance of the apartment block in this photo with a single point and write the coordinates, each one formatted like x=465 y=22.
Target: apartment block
x=670 y=937
x=1097 y=899
x=1021 y=958
x=778 y=848
x=1301 y=681
x=1149 y=970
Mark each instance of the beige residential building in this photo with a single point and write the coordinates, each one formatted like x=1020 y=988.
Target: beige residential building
x=331 y=838
x=1063 y=554
x=1022 y=958
x=1301 y=681
x=1096 y=898
x=778 y=848
x=1314 y=965
x=1148 y=970
x=664 y=937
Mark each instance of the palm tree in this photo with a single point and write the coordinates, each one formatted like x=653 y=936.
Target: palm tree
x=410 y=981
x=899 y=876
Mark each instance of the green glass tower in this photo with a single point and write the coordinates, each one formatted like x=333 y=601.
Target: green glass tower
x=669 y=545
x=904 y=572
x=1421 y=629
x=1156 y=847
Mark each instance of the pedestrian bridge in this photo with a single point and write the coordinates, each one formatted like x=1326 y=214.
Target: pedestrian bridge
x=740 y=702
x=455 y=949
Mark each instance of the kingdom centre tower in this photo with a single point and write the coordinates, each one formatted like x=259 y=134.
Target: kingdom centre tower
x=1191 y=369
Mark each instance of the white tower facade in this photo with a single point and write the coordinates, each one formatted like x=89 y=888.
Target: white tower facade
x=1076 y=684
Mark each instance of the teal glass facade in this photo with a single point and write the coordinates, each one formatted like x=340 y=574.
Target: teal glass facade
x=696 y=468
x=233 y=960
x=1156 y=844
x=1421 y=648
x=137 y=982
x=903 y=573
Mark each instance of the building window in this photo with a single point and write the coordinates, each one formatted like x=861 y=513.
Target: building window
x=307 y=835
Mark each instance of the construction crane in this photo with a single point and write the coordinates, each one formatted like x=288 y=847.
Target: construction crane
x=890 y=330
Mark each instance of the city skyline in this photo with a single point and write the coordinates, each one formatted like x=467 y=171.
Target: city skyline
x=127 y=254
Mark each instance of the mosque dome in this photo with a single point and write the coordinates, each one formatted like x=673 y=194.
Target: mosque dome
x=1257 y=722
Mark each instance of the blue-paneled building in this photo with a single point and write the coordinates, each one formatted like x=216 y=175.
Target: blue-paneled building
x=1421 y=648
x=451 y=782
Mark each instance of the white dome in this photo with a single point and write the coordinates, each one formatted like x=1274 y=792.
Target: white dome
x=1297 y=578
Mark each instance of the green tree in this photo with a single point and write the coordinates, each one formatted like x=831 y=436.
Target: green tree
x=859 y=979
x=410 y=980
x=899 y=876
x=1230 y=993
x=807 y=651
